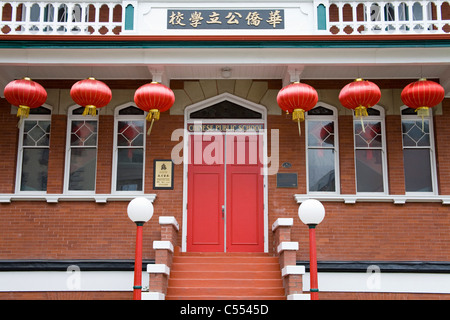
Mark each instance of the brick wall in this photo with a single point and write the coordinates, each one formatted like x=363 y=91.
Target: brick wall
x=57 y=154
x=394 y=151
x=367 y=231
x=442 y=132
x=108 y=295
x=88 y=230
x=105 y=144
x=346 y=155
x=8 y=147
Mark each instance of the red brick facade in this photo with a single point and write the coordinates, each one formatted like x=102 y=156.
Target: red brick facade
x=369 y=231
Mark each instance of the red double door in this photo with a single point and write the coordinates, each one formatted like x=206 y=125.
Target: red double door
x=225 y=194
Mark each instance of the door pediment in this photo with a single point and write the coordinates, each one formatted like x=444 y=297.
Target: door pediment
x=225 y=106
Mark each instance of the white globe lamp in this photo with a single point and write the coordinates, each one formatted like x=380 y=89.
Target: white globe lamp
x=140 y=210
x=311 y=212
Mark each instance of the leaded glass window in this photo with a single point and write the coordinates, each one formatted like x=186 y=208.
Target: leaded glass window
x=82 y=151
x=225 y=110
x=370 y=154
x=321 y=140
x=34 y=151
x=418 y=152
x=130 y=148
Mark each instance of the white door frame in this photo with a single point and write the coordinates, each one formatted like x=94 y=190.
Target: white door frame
x=187 y=121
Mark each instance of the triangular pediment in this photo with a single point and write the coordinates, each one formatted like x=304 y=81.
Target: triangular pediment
x=225 y=110
x=225 y=106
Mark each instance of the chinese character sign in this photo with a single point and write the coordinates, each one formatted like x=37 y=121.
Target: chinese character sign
x=225 y=19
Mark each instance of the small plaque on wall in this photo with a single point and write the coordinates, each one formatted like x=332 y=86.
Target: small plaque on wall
x=286 y=180
x=163 y=174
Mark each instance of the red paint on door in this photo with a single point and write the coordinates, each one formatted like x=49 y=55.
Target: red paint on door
x=245 y=199
x=205 y=196
x=244 y=194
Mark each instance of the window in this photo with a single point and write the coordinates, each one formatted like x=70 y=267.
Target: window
x=226 y=110
x=370 y=152
x=34 y=143
x=418 y=152
x=322 y=153
x=81 y=155
x=129 y=154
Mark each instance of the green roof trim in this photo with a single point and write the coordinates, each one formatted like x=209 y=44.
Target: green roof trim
x=158 y=44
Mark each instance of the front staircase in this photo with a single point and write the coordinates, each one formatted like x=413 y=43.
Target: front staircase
x=225 y=276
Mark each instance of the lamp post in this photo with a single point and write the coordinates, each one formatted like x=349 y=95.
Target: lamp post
x=311 y=212
x=139 y=210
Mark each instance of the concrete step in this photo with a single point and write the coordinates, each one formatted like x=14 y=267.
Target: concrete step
x=225 y=267
x=225 y=276
x=226 y=282
x=227 y=291
x=225 y=259
x=211 y=274
x=209 y=297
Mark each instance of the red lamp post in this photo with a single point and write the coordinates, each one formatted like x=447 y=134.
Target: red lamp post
x=311 y=212
x=140 y=210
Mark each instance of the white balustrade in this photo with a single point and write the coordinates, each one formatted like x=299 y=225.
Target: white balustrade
x=382 y=17
x=58 y=17
x=329 y=17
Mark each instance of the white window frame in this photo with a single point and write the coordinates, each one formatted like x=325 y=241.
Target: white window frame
x=380 y=118
x=31 y=117
x=434 y=180
x=71 y=117
x=118 y=118
x=333 y=118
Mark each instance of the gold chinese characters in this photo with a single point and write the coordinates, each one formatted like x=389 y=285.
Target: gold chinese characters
x=225 y=19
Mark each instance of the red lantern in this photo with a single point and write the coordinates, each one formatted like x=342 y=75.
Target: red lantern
x=25 y=94
x=297 y=98
x=422 y=95
x=91 y=94
x=360 y=95
x=154 y=98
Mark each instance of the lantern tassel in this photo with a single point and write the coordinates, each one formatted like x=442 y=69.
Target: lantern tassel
x=151 y=126
x=22 y=112
x=90 y=110
x=423 y=112
x=299 y=128
x=299 y=115
x=361 y=112
x=153 y=115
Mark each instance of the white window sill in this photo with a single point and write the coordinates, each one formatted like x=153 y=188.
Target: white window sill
x=55 y=198
x=353 y=198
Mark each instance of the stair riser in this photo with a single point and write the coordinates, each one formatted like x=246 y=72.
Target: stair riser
x=225 y=291
x=225 y=267
x=224 y=254
x=224 y=298
x=219 y=259
x=225 y=274
x=223 y=283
